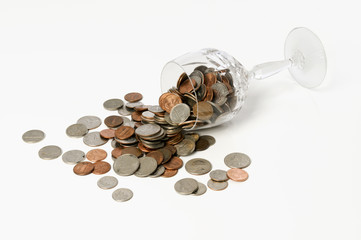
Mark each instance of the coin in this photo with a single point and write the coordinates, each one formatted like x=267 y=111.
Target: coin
x=238 y=175
x=136 y=116
x=217 y=186
x=157 y=155
x=186 y=147
x=220 y=92
x=203 y=110
x=113 y=104
x=126 y=165
x=147 y=166
x=124 y=132
x=174 y=163
x=202 y=189
x=113 y=121
x=168 y=100
x=179 y=113
x=158 y=172
x=133 y=97
x=83 y=168
x=123 y=111
x=148 y=130
x=169 y=173
x=76 y=130
x=94 y=139
x=211 y=140
x=73 y=157
x=101 y=167
x=107 y=182
x=202 y=144
x=187 y=86
x=198 y=166
x=50 y=152
x=107 y=133
x=155 y=109
x=122 y=194
x=95 y=155
x=237 y=160
x=33 y=136
x=132 y=150
x=192 y=135
x=91 y=122
x=117 y=152
x=186 y=186
x=131 y=105
x=218 y=175
x=167 y=154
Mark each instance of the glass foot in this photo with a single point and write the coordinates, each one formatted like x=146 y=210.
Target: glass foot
x=308 y=57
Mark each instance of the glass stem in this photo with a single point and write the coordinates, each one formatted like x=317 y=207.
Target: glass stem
x=268 y=69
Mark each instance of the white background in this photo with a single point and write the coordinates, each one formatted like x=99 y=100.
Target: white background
x=60 y=60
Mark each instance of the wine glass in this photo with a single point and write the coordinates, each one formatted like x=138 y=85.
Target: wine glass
x=219 y=80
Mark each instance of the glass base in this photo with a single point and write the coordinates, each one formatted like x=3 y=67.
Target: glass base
x=308 y=57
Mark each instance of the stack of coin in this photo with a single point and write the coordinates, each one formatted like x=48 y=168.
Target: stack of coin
x=204 y=97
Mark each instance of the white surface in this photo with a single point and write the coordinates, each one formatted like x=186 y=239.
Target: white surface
x=59 y=60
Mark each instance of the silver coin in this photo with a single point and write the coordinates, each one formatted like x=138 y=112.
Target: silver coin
x=50 y=152
x=202 y=189
x=185 y=147
x=126 y=121
x=155 y=109
x=126 y=165
x=147 y=166
x=132 y=105
x=94 y=139
x=91 y=122
x=72 y=157
x=33 y=136
x=218 y=175
x=127 y=141
x=113 y=104
x=148 y=114
x=77 y=130
x=122 y=194
x=130 y=124
x=115 y=144
x=186 y=186
x=220 y=93
x=123 y=111
x=107 y=182
x=237 y=160
x=198 y=166
x=217 y=186
x=158 y=172
x=148 y=130
x=211 y=140
x=179 y=113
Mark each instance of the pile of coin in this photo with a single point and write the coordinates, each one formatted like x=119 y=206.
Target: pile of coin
x=204 y=97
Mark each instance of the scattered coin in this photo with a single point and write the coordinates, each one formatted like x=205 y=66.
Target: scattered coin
x=107 y=182
x=169 y=173
x=113 y=121
x=202 y=144
x=117 y=152
x=174 y=163
x=203 y=110
x=133 y=97
x=132 y=150
x=180 y=113
x=217 y=186
x=33 y=136
x=218 y=175
x=50 y=152
x=186 y=186
x=186 y=147
x=168 y=100
x=73 y=157
x=237 y=160
x=132 y=105
x=123 y=111
x=157 y=155
x=122 y=194
x=77 y=130
x=198 y=166
x=107 y=133
x=113 y=104
x=147 y=130
x=94 y=139
x=91 y=122
x=238 y=175
x=158 y=172
x=202 y=189
x=147 y=166
x=83 y=168
x=124 y=132
x=211 y=140
x=95 y=155
x=126 y=165
x=101 y=167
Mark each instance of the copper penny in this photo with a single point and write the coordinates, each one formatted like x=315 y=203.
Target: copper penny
x=132 y=150
x=168 y=100
x=209 y=94
x=83 y=168
x=210 y=79
x=101 y=167
x=107 y=133
x=133 y=97
x=238 y=175
x=157 y=155
x=113 y=121
x=124 y=132
x=187 y=85
x=96 y=155
x=141 y=108
x=169 y=173
x=203 y=110
x=143 y=148
x=202 y=144
x=136 y=116
x=174 y=163
x=117 y=152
